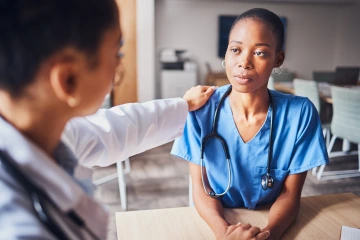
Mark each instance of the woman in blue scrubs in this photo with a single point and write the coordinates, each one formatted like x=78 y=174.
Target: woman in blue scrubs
x=244 y=122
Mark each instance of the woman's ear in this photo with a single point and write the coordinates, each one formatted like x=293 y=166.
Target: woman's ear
x=63 y=80
x=280 y=56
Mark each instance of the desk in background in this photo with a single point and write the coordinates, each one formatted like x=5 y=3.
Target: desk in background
x=324 y=89
x=320 y=217
x=220 y=78
x=288 y=87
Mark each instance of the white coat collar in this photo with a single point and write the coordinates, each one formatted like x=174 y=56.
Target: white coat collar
x=44 y=172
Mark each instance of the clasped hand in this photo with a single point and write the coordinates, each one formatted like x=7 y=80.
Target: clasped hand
x=245 y=232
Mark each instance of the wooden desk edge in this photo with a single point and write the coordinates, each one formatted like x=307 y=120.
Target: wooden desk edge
x=350 y=194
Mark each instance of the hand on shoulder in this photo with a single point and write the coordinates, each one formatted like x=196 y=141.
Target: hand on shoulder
x=197 y=96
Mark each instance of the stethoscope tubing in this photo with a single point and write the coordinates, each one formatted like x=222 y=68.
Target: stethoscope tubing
x=213 y=194
x=38 y=198
x=266 y=179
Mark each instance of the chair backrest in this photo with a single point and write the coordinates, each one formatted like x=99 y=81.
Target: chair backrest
x=323 y=76
x=346 y=75
x=271 y=83
x=283 y=77
x=346 y=116
x=309 y=89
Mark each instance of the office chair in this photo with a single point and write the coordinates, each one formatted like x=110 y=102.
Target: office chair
x=310 y=89
x=344 y=125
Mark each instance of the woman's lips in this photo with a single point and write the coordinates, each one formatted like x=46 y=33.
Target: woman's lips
x=242 y=79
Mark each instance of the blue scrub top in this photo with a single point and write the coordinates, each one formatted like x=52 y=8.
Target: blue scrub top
x=298 y=145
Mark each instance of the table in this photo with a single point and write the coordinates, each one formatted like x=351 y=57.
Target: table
x=320 y=217
x=324 y=89
x=288 y=87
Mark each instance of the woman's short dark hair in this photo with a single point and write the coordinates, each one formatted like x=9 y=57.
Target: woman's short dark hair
x=33 y=30
x=269 y=18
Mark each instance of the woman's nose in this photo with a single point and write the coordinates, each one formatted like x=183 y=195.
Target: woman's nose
x=244 y=61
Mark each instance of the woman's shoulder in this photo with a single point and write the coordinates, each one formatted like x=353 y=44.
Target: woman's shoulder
x=294 y=107
x=214 y=99
x=218 y=93
x=290 y=101
x=285 y=96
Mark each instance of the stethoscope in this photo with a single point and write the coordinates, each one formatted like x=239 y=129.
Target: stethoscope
x=40 y=202
x=266 y=180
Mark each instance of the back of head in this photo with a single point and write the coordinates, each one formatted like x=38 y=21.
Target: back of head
x=267 y=17
x=31 y=31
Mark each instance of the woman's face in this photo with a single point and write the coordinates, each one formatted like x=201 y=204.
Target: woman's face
x=98 y=81
x=251 y=55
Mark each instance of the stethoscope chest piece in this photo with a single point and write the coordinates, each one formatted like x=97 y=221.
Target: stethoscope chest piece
x=266 y=181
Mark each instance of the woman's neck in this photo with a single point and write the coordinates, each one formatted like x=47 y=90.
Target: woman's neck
x=34 y=121
x=250 y=104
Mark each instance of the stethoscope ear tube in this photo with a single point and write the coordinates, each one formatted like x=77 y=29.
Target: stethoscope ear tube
x=269 y=180
x=213 y=194
x=39 y=199
x=35 y=194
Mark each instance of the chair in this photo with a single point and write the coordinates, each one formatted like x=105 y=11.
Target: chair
x=121 y=170
x=323 y=76
x=283 y=77
x=345 y=125
x=310 y=89
x=271 y=83
x=215 y=78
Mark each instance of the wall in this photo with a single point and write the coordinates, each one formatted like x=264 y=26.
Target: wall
x=319 y=36
x=125 y=82
x=347 y=48
x=145 y=33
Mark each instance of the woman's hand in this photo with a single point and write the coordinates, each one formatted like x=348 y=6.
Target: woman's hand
x=286 y=207
x=245 y=232
x=198 y=96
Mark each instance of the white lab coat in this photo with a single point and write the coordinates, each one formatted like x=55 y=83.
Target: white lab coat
x=101 y=139
x=109 y=136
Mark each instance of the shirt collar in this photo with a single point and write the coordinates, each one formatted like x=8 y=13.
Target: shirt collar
x=52 y=178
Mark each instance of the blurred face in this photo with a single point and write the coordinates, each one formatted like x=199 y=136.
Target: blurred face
x=251 y=55
x=98 y=81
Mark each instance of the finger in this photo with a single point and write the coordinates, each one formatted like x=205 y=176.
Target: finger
x=262 y=235
x=254 y=230
x=230 y=229
x=209 y=91
x=238 y=224
x=246 y=226
x=203 y=88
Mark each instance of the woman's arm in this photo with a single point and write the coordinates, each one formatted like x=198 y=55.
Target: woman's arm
x=212 y=212
x=286 y=207
x=209 y=209
x=115 y=134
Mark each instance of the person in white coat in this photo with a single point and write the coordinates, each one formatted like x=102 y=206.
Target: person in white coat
x=57 y=62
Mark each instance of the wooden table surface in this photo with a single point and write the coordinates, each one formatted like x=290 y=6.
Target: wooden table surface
x=320 y=217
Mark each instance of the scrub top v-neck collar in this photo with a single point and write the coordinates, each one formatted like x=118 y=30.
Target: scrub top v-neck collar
x=267 y=120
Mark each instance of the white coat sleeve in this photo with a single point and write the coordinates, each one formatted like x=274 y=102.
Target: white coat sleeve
x=115 y=134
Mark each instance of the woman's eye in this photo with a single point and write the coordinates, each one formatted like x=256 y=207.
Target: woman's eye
x=234 y=50
x=119 y=55
x=260 y=54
